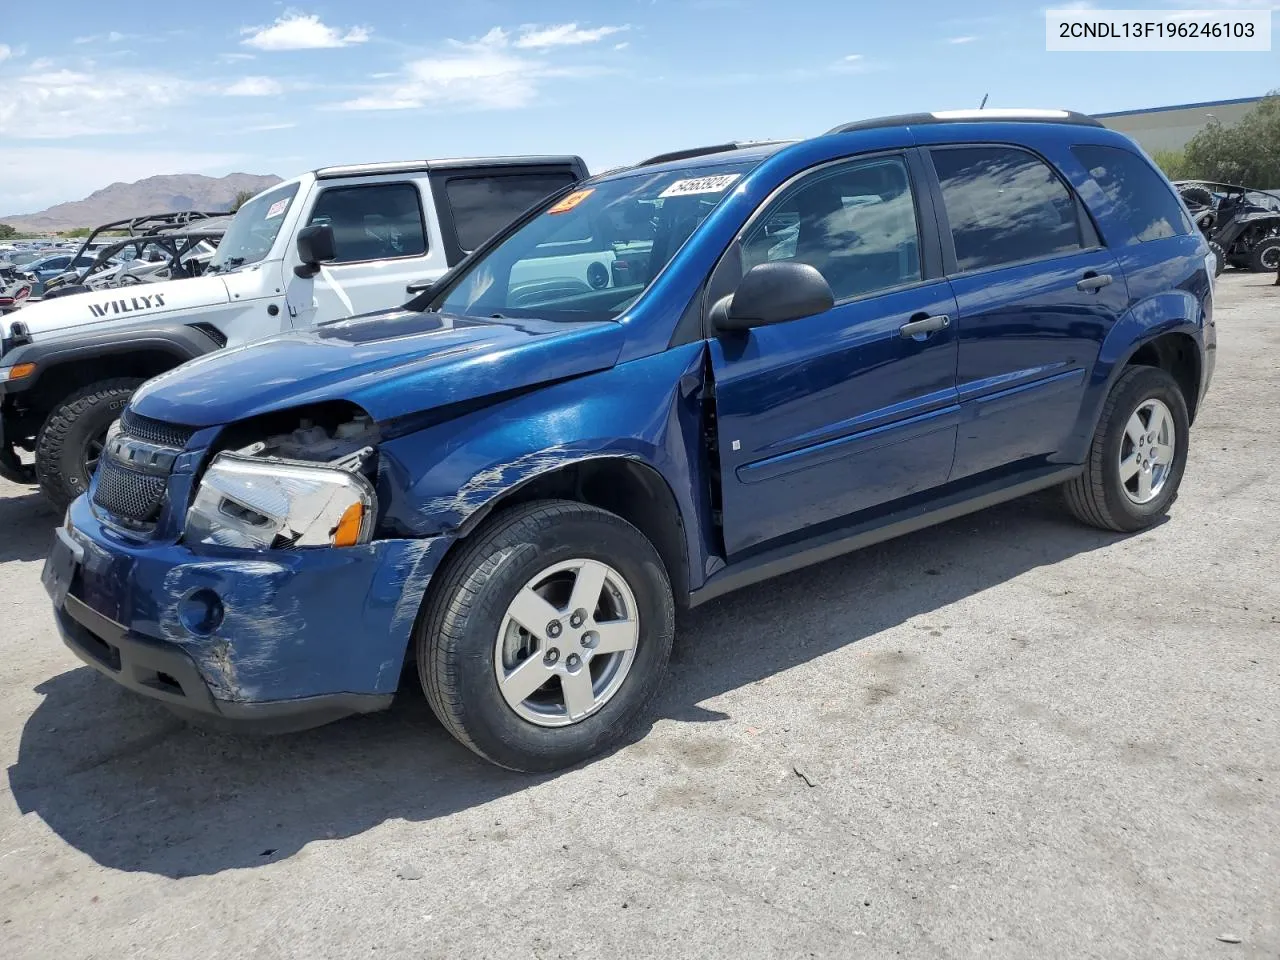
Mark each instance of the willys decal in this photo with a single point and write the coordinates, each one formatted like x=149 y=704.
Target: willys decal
x=132 y=305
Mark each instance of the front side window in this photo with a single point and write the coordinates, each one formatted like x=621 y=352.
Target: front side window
x=1005 y=206
x=590 y=254
x=1141 y=201
x=482 y=206
x=252 y=231
x=855 y=223
x=380 y=221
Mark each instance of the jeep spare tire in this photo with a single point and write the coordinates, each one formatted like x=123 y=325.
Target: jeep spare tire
x=72 y=437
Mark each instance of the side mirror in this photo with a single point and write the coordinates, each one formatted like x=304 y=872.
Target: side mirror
x=316 y=245
x=774 y=293
x=419 y=286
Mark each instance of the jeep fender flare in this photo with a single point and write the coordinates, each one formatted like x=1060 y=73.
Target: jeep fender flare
x=182 y=341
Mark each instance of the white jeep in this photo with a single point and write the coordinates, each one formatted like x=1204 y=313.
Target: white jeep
x=69 y=364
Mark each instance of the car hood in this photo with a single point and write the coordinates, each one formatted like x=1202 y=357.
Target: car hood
x=389 y=364
x=76 y=311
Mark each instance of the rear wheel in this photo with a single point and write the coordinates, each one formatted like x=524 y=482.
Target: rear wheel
x=73 y=435
x=547 y=636
x=1138 y=454
x=1265 y=256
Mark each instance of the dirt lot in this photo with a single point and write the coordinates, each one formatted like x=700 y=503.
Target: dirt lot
x=1006 y=737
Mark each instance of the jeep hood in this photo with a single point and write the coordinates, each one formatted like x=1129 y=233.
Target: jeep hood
x=389 y=364
x=144 y=301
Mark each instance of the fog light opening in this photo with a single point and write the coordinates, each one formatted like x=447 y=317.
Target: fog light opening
x=201 y=612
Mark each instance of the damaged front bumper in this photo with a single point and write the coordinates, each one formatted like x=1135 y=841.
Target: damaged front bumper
x=273 y=640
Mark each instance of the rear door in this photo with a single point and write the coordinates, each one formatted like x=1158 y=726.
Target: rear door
x=475 y=203
x=1036 y=293
x=844 y=411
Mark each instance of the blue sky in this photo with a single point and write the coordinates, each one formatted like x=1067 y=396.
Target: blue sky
x=99 y=96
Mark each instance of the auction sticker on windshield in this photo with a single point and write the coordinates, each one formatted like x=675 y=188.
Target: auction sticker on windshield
x=276 y=208
x=571 y=201
x=688 y=188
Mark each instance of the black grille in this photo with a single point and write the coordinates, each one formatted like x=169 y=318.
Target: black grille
x=130 y=494
x=134 y=496
x=154 y=431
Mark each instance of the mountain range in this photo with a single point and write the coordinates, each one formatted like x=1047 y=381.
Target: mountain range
x=161 y=194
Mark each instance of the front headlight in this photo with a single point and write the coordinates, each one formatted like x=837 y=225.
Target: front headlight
x=261 y=504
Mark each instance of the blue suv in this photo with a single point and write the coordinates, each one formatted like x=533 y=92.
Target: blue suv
x=663 y=384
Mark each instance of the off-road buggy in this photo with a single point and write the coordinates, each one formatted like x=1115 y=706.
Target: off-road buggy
x=1241 y=224
x=156 y=247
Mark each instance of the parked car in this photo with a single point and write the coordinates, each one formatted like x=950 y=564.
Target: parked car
x=13 y=260
x=43 y=269
x=394 y=225
x=639 y=396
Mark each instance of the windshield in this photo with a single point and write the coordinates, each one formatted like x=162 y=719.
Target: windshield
x=590 y=254
x=253 y=230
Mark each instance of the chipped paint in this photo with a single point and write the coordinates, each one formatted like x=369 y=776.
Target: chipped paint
x=241 y=651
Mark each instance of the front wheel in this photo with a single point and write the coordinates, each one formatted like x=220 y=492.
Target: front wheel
x=546 y=637
x=1138 y=454
x=1265 y=256
x=71 y=440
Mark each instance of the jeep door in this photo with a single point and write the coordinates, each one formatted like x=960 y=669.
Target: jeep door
x=855 y=407
x=384 y=240
x=1037 y=293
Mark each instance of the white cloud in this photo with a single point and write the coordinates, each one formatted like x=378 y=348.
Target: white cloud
x=961 y=40
x=234 y=57
x=853 y=58
x=533 y=37
x=255 y=87
x=622 y=46
x=6 y=52
x=44 y=104
x=298 y=31
x=263 y=127
x=114 y=36
x=482 y=74
x=35 y=177
x=41 y=63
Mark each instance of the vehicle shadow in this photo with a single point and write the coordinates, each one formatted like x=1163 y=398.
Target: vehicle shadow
x=26 y=526
x=121 y=780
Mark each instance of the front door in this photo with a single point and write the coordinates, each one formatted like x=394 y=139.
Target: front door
x=382 y=244
x=833 y=414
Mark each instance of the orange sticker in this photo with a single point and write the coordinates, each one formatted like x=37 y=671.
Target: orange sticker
x=571 y=201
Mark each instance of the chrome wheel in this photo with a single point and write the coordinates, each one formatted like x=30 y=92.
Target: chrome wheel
x=1147 y=451
x=566 y=643
x=1271 y=257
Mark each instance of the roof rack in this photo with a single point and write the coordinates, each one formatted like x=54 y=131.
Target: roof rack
x=995 y=115
x=708 y=151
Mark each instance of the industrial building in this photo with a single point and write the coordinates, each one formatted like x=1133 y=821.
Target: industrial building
x=1170 y=128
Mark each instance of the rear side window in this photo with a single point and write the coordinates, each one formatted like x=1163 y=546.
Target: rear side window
x=1141 y=202
x=1004 y=206
x=380 y=221
x=482 y=206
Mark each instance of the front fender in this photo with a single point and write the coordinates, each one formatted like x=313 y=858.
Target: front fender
x=441 y=479
x=178 y=340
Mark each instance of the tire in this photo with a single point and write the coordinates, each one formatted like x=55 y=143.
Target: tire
x=1220 y=257
x=63 y=445
x=1099 y=496
x=1265 y=256
x=457 y=640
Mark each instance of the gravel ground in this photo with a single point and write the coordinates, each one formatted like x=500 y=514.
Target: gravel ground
x=1009 y=736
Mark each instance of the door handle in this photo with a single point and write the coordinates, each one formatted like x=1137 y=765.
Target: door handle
x=1092 y=282
x=924 y=326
